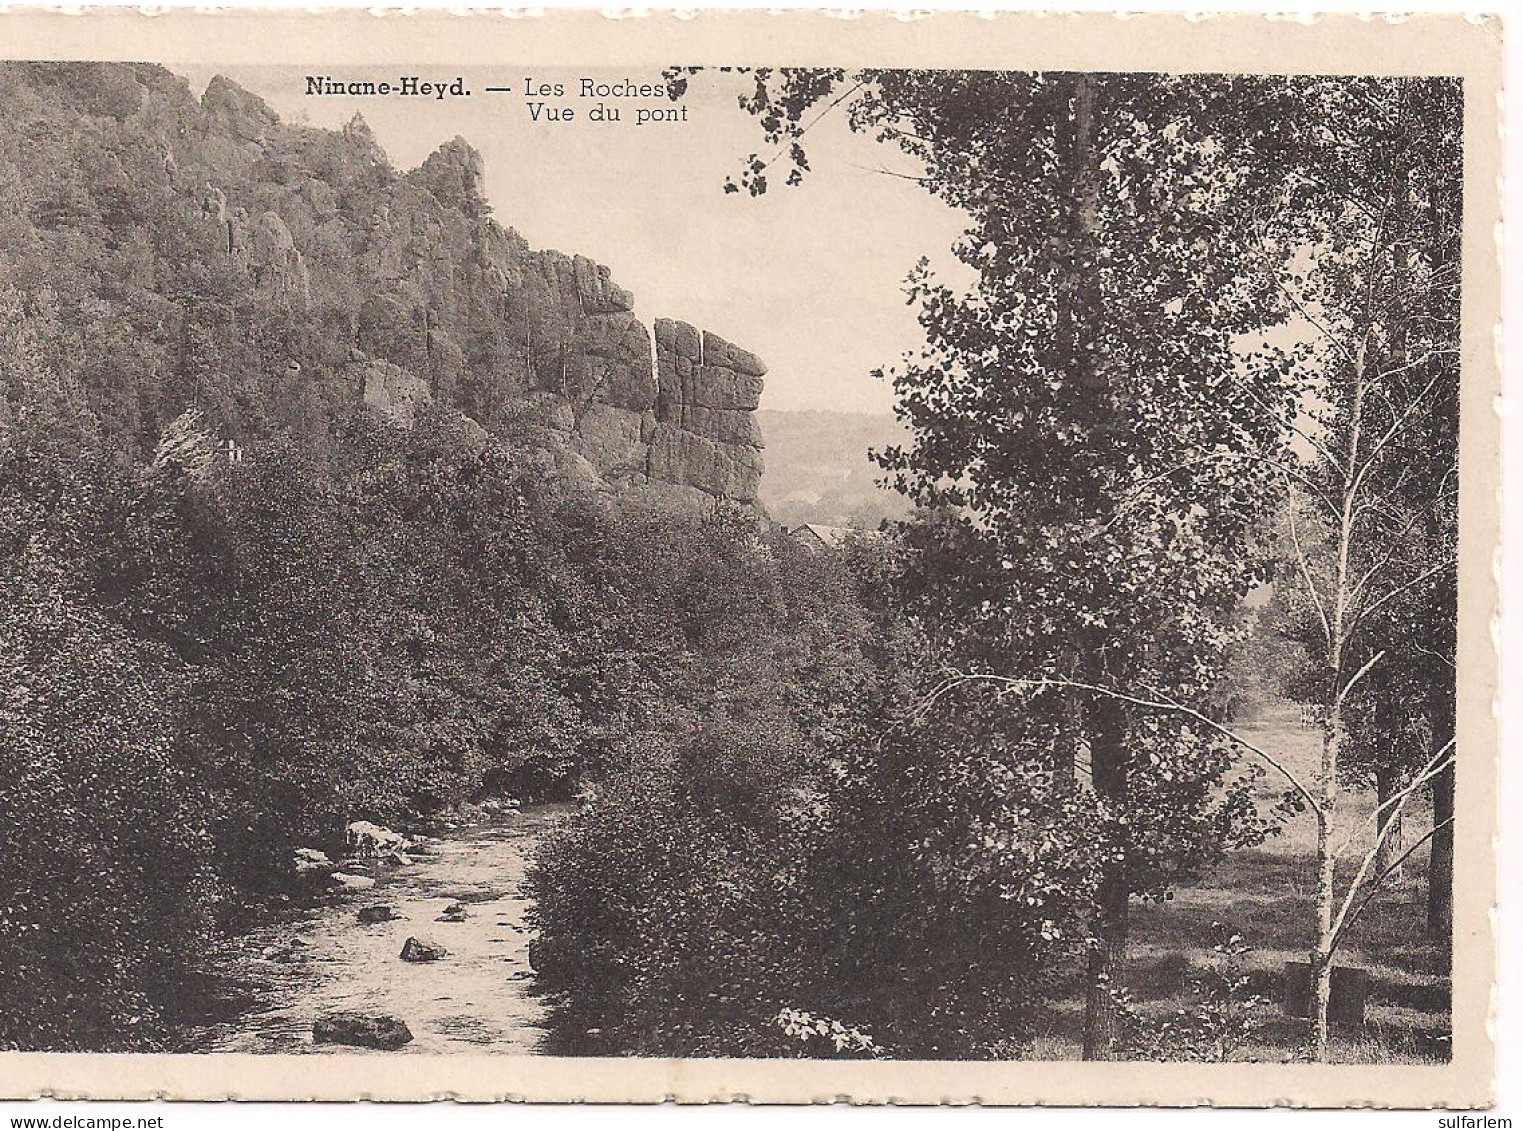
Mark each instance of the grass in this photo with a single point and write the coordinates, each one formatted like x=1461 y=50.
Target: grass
x=1267 y=894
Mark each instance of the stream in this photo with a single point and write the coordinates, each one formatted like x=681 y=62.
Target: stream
x=321 y=959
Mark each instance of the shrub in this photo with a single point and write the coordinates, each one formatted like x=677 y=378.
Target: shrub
x=669 y=905
x=785 y=850
x=1222 y=1018
x=725 y=881
x=106 y=890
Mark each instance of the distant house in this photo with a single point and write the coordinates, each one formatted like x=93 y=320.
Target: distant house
x=826 y=537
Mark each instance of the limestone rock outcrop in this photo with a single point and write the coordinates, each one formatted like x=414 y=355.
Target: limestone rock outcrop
x=278 y=269
x=238 y=112
x=391 y=391
x=726 y=471
x=313 y=236
x=706 y=435
x=453 y=174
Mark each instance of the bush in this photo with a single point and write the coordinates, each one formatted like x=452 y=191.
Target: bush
x=204 y=666
x=826 y=857
x=107 y=894
x=661 y=905
x=727 y=880
x=783 y=859
x=669 y=905
x=1222 y=1018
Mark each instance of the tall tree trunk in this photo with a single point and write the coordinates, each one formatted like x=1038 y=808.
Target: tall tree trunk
x=1065 y=768
x=1104 y=720
x=1441 y=721
x=1390 y=737
x=1388 y=828
x=1107 y=958
x=1441 y=858
x=1322 y=950
x=1443 y=251
x=1334 y=723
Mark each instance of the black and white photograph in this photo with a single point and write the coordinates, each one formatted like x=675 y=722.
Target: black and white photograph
x=746 y=559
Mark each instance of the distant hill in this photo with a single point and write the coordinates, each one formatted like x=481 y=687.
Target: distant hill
x=818 y=469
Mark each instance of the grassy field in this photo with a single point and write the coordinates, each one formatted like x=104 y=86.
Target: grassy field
x=1266 y=894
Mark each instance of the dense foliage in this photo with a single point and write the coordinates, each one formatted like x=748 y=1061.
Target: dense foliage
x=1080 y=416
x=209 y=661
x=667 y=905
x=921 y=884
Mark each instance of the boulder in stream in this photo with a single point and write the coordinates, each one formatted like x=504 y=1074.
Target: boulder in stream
x=421 y=950
x=454 y=913
x=366 y=1030
x=306 y=861
x=378 y=913
x=346 y=882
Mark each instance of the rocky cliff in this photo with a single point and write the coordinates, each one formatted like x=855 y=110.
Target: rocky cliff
x=397 y=290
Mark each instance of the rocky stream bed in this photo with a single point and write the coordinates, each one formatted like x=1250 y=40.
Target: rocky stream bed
x=322 y=961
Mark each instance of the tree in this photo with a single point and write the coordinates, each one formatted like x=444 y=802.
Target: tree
x=1081 y=417
x=1324 y=207
x=1373 y=218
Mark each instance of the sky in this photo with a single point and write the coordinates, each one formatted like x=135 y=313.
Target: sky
x=811 y=279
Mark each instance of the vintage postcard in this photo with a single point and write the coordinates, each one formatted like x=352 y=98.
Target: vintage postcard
x=748 y=557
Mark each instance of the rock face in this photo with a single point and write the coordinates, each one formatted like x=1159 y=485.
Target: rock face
x=706 y=435
x=239 y=113
x=391 y=391
x=363 y=1030
x=277 y=268
x=452 y=173
x=458 y=313
x=395 y=289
